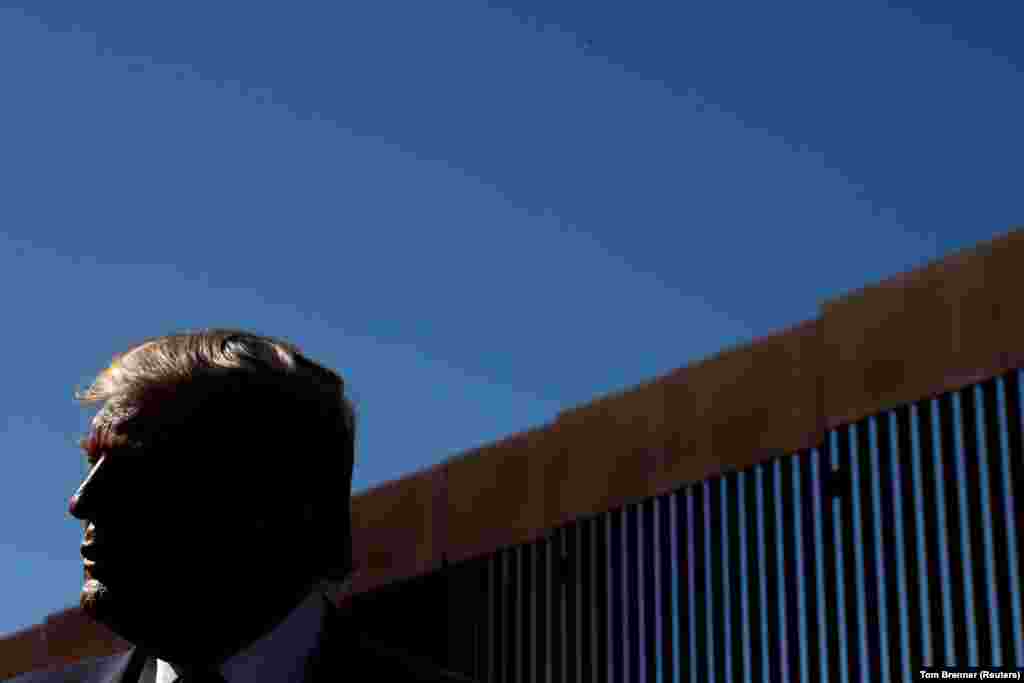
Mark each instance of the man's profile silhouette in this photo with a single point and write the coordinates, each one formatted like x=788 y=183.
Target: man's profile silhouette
x=215 y=510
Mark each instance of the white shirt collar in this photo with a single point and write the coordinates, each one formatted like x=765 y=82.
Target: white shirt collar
x=280 y=655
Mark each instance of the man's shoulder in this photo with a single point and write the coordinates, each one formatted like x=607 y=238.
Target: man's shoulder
x=92 y=670
x=346 y=647
x=393 y=664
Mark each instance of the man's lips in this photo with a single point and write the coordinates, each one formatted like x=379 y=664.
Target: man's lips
x=94 y=557
x=96 y=569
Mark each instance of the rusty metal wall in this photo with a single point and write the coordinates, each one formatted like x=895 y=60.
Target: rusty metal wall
x=894 y=544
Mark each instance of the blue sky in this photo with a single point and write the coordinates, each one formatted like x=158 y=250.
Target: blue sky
x=479 y=213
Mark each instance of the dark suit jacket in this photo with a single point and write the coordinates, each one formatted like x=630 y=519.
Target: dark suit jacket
x=343 y=654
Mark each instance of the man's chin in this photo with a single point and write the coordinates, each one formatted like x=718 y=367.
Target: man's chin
x=137 y=615
x=117 y=609
x=97 y=601
x=93 y=598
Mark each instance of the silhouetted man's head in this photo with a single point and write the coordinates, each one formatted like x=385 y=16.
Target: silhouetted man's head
x=218 y=492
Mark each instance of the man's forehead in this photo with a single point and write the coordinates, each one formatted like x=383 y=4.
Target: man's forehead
x=157 y=406
x=117 y=425
x=159 y=420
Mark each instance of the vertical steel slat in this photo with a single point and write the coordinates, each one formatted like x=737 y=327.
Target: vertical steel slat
x=512 y=655
x=734 y=520
x=460 y=584
x=948 y=644
x=485 y=660
x=555 y=629
x=976 y=510
x=698 y=521
x=476 y=598
x=891 y=542
x=497 y=659
x=782 y=550
x=811 y=614
x=603 y=651
x=995 y=569
x=906 y=468
x=1008 y=435
x=777 y=541
x=582 y=578
x=501 y=651
x=570 y=602
x=754 y=574
x=694 y=559
x=586 y=600
x=712 y=543
x=998 y=553
x=515 y=614
x=685 y=661
x=841 y=526
x=659 y=588
x=488 y=669
x=869 y=614
x=637 y=592
x=1013 y=475
x=452 y=629
x=469 y=595
x=537 y=610
x=528 y=633
x=725 y=669
x=554 y=606
x=540 y=671
x=559 y=586
x=496 y=587
x=956 y=589
x=723 y=634
x=744 y=591
x=647 y=549
x=486 y=608
x=851 y=632
x=595 y=559
x=858 y=555
x=668 y=588
x=765 y=586
x=574 y=604
x=773 y=577
x=792 y=565
x=831 y=577
x=617 y=617
x=631 y=593
x=933 y=547
x=791 y=568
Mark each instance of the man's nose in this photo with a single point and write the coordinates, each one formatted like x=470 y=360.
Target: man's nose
x=83 y=503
